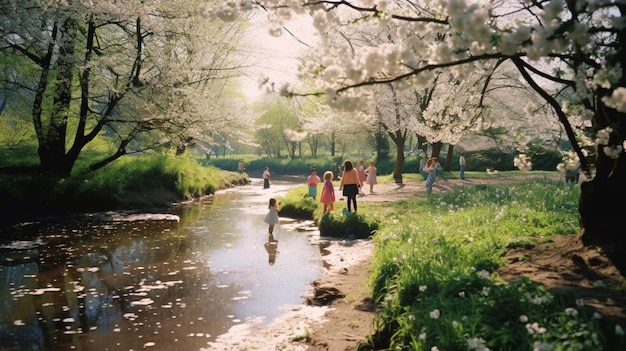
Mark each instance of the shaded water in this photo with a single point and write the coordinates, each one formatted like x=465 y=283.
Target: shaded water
x=130 y=284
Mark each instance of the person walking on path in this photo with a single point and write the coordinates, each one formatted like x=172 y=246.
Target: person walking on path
x=350 y=184
x=361 y=170
x=271 y=217
x=312 y=180
x=462 y=166
x=371 y=176
x=431 y=171
x=266 y=178
x=328 y=192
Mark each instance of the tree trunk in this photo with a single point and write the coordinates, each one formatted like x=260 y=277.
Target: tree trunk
x=399 y=139
x=448 y=166
x=436 y=149
x=602 y=208
x=52 y=146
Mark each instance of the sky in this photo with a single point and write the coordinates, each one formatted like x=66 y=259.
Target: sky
x=275 y=57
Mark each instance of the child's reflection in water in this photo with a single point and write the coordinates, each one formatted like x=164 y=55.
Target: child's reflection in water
x=271 y=246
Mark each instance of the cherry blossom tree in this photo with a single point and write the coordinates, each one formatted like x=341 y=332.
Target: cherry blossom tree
x=557 y=46
x=138 y=74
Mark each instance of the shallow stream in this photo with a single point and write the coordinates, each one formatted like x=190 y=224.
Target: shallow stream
x=176 y=280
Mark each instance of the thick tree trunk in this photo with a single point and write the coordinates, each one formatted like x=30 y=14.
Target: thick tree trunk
x=602 y=208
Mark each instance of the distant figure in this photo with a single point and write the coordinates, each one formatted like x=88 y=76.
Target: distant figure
x=361 y=169
x=431 y=170
x=266 y=178
x=271 y=217
x=328 y=192
x=371 y=176
x=350 y=184
x=312 y=180
x=271 y=246
x=241 y=167
x=462 y=165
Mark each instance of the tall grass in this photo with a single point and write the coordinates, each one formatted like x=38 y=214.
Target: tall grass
x=129 y=183
x=434 y=273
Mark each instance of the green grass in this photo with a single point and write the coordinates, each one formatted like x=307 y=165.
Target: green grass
x=434 y=273
x=129 y=183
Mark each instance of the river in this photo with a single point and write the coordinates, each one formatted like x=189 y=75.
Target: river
x=176 y=280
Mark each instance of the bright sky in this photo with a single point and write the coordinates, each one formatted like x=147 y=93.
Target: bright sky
x=276 y=57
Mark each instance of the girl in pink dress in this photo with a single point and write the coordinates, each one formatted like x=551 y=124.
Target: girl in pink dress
x=371 y=176
x=328 y=192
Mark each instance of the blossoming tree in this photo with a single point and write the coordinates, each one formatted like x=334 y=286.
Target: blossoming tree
x=556 y=46
x=136 y=74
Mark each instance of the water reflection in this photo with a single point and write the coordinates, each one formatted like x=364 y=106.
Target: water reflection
x=168 y=283
x=271 y=246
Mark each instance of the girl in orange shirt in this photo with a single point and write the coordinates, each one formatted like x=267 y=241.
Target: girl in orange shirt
x=350 y=184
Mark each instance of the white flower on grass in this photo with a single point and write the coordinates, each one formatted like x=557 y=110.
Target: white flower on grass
x=462 y=293
x=455 y=324
x=535 y=328
x=484 y=274
x=523 y=318
x=477 y=344
x=572 y=312
x=542 y=346
x=434 y=348
x=422 y=336
x=597 y=315
x=434 y=314
x=486 y=291
x=580 y=302
x=537 y=300
x=619 y=330
x=422 y=288
x=411 y=317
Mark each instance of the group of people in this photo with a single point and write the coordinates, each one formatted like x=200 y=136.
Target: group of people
x=352 y=181
x=351 y=184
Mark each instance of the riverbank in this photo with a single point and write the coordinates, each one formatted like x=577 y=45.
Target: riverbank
x=346 y=321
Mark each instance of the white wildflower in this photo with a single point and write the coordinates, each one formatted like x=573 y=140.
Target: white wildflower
x=572 y=312
x=523 y=318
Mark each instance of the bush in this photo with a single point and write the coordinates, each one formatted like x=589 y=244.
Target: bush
x=346 y=225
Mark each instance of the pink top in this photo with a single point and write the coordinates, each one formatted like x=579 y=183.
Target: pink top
x=328 y=193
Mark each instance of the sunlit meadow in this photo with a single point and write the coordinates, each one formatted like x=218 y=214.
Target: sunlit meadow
x=434 y=273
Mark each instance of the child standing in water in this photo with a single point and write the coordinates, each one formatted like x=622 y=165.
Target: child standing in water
x=272 y=216
x=328 y=192
x=371 y=176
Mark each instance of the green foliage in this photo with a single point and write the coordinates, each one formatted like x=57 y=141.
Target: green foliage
x=347 y=225
x=434 y=273
x=278 y=166
x=298 y=204
x=130 y=183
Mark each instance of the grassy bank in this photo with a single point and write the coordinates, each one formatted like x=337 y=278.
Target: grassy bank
x=130 y=183
x=434 y=271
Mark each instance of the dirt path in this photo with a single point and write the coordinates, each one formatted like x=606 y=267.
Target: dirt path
x=345 y=319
